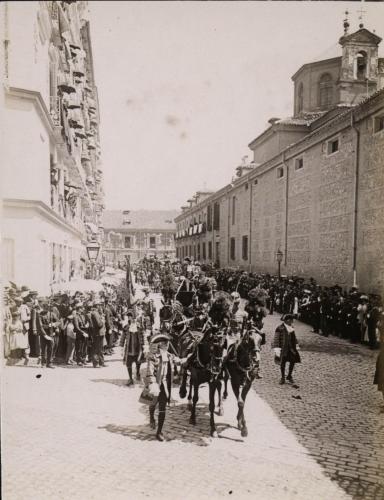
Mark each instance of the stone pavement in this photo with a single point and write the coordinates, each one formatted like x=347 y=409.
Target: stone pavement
x=80 y=433
x=335 y=410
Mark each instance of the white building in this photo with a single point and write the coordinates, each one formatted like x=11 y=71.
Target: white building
x=51 y=178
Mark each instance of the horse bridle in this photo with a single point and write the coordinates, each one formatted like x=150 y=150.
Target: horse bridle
x=213 y=368
x=252 y=366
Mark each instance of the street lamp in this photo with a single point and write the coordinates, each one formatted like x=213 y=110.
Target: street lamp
x=279 y=258
x=93 y=249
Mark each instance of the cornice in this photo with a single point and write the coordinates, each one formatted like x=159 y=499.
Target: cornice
x=323 y=62
x=42 y=209
x=139 y=230
x=41 y=108
x=204 y=203
x=336 y=123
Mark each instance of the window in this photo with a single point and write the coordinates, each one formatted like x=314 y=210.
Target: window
x=210 y=250
x=360 y=68
x=244 y=248
x=332 y=146
x=246 y=186
x=209 y=218
x=325 y=91
x=300 y=98
x=217 y=249
x=127 y=242
x=126 y=219
x=232 y=250
x=152 y=242
x=233 y=209
x=299 y=163
x=216 y=216
x=378 y=123
x=280 y=172
x=204 y=250
x=255 y=182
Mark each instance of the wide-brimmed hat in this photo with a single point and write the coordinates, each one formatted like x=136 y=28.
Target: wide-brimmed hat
x=160 y=337
x=286 y=317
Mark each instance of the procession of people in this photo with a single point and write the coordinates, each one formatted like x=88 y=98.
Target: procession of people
x=200 y=305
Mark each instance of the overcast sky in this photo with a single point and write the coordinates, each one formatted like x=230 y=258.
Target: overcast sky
x=185 y=86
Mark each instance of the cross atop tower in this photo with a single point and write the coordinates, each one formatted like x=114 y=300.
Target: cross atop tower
x=361 y=13
x=346 y=22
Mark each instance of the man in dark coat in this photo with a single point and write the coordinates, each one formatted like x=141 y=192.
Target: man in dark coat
x=133 y=342
x=286 y=347
x=98 y=333
x=81 y=334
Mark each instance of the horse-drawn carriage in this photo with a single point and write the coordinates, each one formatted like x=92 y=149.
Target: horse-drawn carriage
x=201 y=337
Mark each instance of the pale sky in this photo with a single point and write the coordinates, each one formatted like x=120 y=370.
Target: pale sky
x=184 y=87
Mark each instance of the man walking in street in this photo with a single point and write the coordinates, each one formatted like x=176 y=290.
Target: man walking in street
x=286 y=347
x=98 y=334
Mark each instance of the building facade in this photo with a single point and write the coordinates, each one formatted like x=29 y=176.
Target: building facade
x=51 y=175
x=138 y=234
x=315 y=187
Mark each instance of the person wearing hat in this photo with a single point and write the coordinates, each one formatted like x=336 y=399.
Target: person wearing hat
x=46 y=333
x=70 y=334
x=286 y=347
x=148 y=306
x=97 y=323
x=132 y=340
x=159 y=380
x=79 y=323
x=18 y=337
x=374 y=316
x=238 y=318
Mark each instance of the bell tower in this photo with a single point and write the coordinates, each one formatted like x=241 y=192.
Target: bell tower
x=359 y=73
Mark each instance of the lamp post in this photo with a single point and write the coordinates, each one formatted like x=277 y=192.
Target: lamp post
x=93 y=249
x=279 y=258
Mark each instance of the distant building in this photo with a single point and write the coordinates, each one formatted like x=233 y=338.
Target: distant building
x=51 y=181
x=315 y=187
x=138 y=233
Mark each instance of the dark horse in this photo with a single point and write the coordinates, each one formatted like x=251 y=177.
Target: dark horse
x=241 y=365
x=205 y=366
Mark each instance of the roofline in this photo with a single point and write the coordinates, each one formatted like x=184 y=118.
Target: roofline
x=271 y=163
x=315 y=63
x=275 y=127
x=141 y=229
x=204 y=202
x=344 y=38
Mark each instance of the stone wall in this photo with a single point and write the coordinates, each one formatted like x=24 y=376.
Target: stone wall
x=370 y=234
x=315 y=228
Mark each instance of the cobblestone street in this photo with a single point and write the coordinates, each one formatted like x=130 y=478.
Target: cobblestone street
x=80 y=433
x=335 y=411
